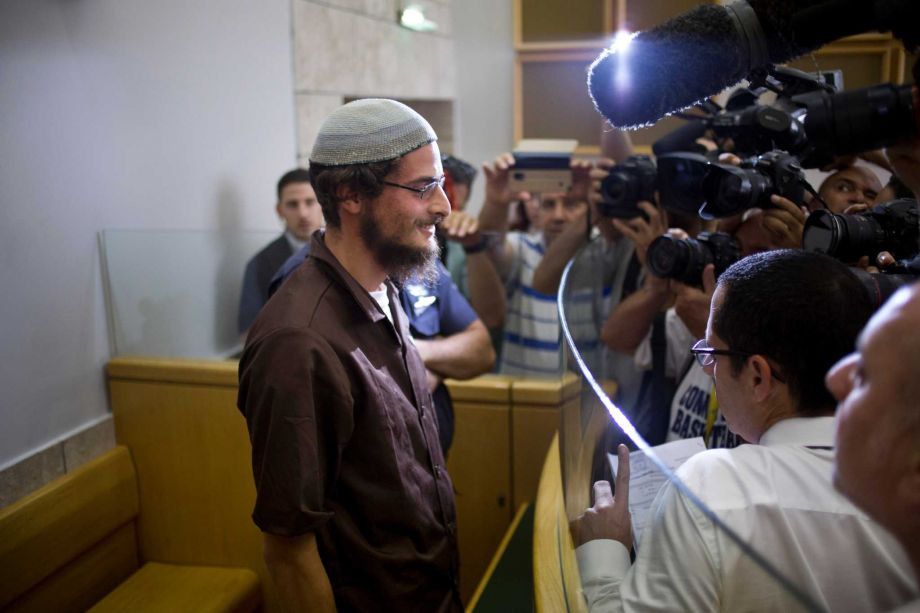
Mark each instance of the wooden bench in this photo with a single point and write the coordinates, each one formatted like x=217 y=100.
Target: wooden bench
x=72 y=546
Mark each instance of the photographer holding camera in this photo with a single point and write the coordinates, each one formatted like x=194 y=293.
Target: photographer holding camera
x=659 y=322
x=530 y=343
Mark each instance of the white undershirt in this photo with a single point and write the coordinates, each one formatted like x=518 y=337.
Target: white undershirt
x=381 y=297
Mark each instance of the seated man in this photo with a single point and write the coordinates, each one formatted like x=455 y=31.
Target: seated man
x=778 y=319
x=878 y=428
x=302 y=215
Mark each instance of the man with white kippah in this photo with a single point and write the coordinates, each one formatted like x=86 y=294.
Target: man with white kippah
x=353 y=499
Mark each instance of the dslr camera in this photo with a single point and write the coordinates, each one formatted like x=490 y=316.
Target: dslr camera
x=891 y=227
x=684 y=259
x=730 y=190
x=628 y=183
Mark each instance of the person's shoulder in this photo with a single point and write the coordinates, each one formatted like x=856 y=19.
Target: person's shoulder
x=273 y=249
x=296 y=302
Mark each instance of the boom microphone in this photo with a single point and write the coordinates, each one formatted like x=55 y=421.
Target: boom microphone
x=701 y=52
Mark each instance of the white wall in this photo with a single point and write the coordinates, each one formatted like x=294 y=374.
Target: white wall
x=485 y=68
x=120 y=114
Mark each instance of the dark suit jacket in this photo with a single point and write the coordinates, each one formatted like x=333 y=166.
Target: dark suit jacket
x=258 y=276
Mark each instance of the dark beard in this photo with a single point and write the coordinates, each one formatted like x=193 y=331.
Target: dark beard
x=401 y=262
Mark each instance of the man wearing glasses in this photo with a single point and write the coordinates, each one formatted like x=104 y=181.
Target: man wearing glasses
x=777 y=322
x=355 y=505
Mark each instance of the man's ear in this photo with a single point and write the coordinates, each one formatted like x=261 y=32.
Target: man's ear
x=278 y=209
x=760 y=377
x=348 y=200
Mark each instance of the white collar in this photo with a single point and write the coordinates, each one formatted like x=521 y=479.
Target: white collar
x=803 y=431
x=295 y=243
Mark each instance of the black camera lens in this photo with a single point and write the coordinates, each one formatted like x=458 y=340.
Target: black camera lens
x=684 y=259
x=680 y=181
x=731 y=190
x=856 y=121
x=881 y=286
x=627 y=184
x=888 y=227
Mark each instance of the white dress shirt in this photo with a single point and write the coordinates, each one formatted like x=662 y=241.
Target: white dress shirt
x=778 y=497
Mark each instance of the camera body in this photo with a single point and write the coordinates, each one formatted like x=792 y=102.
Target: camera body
x=758 y=128
x=684 y=259
x=892 y=227
x=730 y=190
x=627 y=184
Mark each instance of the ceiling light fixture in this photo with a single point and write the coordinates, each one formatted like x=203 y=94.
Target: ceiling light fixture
x=413 y=18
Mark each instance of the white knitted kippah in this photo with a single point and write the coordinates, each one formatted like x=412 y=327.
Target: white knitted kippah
x=370 y=130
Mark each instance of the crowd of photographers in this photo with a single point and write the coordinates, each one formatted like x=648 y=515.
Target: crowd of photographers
x=796 y=271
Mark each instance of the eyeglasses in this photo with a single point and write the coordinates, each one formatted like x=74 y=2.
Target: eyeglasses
x=423 y=192
x=706 y=356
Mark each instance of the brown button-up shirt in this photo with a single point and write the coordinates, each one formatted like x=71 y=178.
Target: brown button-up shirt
x=345 y=443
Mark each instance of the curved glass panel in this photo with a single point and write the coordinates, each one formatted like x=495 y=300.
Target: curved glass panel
x=607 y=415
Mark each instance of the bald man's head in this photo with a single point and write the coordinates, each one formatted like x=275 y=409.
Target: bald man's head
x=878 y=419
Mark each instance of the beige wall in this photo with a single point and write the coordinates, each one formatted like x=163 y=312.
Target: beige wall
x=355 y=49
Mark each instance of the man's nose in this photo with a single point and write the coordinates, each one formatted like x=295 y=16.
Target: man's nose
x=439 y=203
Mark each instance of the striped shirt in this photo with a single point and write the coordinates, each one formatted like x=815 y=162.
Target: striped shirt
x=532 y=339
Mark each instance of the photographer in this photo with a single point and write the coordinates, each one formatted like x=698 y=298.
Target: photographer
x=530 y=344
x=767 y=346
x=658 y=323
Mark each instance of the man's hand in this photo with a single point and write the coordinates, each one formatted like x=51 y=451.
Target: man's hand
x=497 y=173
x=609 y=517
x=462 y=228
x=642 y=232
x=785 y=223
x=692 y=305
x=581 y=180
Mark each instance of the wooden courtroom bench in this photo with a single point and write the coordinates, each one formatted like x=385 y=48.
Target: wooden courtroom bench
x=72 y=546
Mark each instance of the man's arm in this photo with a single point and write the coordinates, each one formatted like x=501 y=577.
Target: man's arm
x=487 y=291
x=675 y=568
x=548 y=274
x=631 y=320
x=463 y=355
x=298 y=573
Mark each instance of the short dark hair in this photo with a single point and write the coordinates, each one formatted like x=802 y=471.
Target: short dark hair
x=460 y=172
x=803 y=310
x=298 y=175
x=361 y=180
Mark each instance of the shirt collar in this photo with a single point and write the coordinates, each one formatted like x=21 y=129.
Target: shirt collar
x=295 y=243
x=319 y=251
x=802 y=431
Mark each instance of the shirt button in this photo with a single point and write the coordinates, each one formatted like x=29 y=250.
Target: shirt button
x=437 y=470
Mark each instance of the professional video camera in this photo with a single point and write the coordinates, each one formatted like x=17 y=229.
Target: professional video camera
x=891 y=227
x=730 y=190
x=678 y=178
x=685 y=259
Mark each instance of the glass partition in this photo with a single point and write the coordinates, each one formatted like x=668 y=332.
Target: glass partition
x=175 y=293
x=607 y=415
